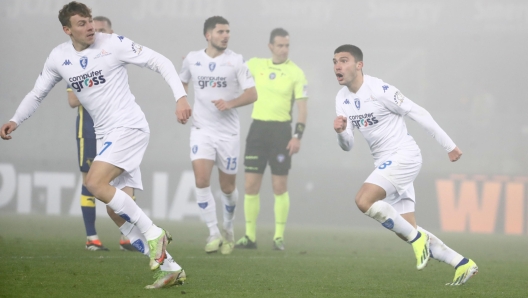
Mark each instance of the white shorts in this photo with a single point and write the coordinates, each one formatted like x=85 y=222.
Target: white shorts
x=396 y=176
x=225 y=150
x=124 y=148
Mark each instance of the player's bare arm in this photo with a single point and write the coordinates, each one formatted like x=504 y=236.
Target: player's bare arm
x=340 y=124
x=7 y=129
x=73 y=100
x=249 y=96
x=183 y=109
x=455 y=154
x=294 y=145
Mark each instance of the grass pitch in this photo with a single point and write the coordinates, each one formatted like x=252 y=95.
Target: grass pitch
x=45 y=257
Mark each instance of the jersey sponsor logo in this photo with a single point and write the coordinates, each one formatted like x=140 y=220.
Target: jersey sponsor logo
x=272 y=76
x=364 y=120
x=385 y=87
x=346 y=102
x=212 y=66
x=102 y=54
x=121 y=37
x=357 y=103
x=84 y=62
x=194 y=149
x=88 y=80
x=66 y=62
x=136 y=48
x=213 y=82
x=198 y=63
x=398 y=98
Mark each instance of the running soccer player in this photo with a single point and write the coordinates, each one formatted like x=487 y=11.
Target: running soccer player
x=94 y=65
x=86 y=152
x=376 y=109
x=218 y=75
x=280 y=83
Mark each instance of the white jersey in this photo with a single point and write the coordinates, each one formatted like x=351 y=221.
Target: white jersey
x=222 y=77
x=99 y=78
x=376 y=110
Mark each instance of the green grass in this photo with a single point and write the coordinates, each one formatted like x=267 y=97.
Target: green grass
x=45 y=257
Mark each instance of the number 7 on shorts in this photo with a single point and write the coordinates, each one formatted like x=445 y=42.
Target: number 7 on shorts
x=106 y=145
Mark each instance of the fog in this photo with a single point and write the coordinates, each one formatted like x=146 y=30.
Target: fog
x=463 y=61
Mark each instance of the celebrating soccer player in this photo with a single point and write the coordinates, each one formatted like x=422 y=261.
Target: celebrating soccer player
x=218 y=75
x=376 y=109
x=280 y=83
x=94 y=66
x=86 y=152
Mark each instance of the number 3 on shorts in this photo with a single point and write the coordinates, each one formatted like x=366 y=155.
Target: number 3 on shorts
x=382 y=166
x=106 y=145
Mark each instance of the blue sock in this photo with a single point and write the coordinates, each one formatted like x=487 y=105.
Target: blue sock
x=463 y=262
x=88 y=211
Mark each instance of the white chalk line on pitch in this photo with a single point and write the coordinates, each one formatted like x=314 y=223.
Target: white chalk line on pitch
x=136 y=257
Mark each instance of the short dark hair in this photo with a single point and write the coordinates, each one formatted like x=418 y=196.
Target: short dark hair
x=103 y=19
x=72 y=9
x=353 y=50
x=211 y=23
x=277 y=32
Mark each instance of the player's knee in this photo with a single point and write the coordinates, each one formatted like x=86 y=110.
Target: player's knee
x=92 y=184
x=202 y=182
x=363 y=203
x=227 y=189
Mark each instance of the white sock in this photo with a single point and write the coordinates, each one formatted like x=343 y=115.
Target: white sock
x=229 y=201
x=169 y=264
x=442 y=252
x=390 y=219
x=138 y=240
x=124 y=206
x=206 y=202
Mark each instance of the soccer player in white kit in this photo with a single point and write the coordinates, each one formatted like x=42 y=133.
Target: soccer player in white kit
x=94 y=65
x=219 y=75
x=376 y=109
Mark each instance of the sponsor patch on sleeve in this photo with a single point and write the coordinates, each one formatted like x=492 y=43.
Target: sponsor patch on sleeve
x=137 y=48
x=398 y=98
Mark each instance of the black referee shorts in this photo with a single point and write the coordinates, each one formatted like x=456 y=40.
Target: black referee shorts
x=266 y=143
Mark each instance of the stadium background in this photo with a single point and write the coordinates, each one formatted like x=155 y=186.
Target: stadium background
x=465 y=62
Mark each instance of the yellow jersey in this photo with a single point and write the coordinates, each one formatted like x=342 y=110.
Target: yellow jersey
x=278 y=86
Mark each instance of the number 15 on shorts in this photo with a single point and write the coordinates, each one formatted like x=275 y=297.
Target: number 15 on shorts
x=231 y=163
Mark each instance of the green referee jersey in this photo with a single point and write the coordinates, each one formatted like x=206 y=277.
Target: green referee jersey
x=278 y=86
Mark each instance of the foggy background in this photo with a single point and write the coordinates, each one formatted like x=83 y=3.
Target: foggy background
x=463 y=61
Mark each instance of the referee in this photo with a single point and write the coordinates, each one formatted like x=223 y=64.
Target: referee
x=280 y=83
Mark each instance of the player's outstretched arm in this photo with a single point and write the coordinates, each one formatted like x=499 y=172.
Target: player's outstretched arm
x=7 y=129
x=345 y=137
x=183 y=110
x=455 y=154
x=422 y=117
x=247 y=97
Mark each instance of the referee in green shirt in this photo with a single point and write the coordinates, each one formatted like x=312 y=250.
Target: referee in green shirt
x=280 y=83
